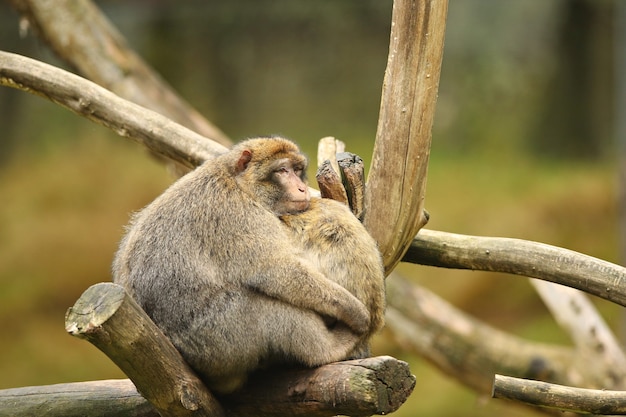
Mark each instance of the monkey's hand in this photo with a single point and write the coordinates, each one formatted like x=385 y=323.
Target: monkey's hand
x=355 y=315
x=307 y=289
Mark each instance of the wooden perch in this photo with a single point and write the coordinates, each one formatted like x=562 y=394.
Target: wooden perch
x=394 y=198
x=363 y=387
x=520 y=257
x=358 y=388
x=110 y=398
x=542 y=394
x=97 y=104
x=108 y=318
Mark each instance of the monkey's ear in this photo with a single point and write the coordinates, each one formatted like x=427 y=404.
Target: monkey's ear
x=244 y=160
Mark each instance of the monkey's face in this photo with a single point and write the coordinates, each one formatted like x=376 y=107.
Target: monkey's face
x=289 y=178
x=272 y=172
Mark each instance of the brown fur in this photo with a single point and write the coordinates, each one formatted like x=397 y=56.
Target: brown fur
x=215 y=269
x=338 y=245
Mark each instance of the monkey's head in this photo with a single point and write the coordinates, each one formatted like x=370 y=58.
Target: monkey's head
x=272 y=171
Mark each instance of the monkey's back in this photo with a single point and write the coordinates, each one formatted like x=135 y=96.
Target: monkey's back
x=181 y=260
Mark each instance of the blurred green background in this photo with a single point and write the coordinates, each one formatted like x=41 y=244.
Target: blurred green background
x=525 y=144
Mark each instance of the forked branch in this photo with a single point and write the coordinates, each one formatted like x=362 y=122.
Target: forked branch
x=112 y=321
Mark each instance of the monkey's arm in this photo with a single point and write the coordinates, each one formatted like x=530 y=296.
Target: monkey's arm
x=303 y=287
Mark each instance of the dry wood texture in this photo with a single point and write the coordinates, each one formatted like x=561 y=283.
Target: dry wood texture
x=89 y=100
x=520 y=257
x=113 y=322
x=357 y=388
x=394 y=199
x=542 y=394
x=109 y=319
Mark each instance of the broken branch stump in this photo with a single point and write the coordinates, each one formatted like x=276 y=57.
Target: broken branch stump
x=107 y=317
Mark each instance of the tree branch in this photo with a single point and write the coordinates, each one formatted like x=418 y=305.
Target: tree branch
x=594 y=341
x=112 y=321
x=99 y=105
x=394 y=199
x=520 y=257
x=468 y=349
x=110 y=398
x=81 y=35
x=542 y=394
x=109 y=319
x=367 y=386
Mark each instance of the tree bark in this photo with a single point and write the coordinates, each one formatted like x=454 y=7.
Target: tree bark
x=99 y=105
x=520 y=257
x=109 y=319
x=394 y=199
x=542 y=394
x=358 y=388
x=112 y=321
x=111 y=398
x=468 y=350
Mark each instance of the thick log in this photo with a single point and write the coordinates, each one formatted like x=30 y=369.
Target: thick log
x=394 y=197
x=358 y=388
x=542 y=394
x=363 y=387
x=112 y=321
x=107 y=317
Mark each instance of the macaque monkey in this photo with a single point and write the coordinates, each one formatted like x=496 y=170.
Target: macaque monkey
x=215 y=268
x=338 y=245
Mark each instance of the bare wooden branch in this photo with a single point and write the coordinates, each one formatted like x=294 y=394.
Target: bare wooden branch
x=470 y=350
x=594 y=340
x=340 y=175
x=109 y=319
x=361 y=387
x=357 y=388
x=394 y=198
x=520 y=257
x=89 y=100
x=542 y=394
x=330 y=183
x=111 y=398
x=81 y=35
x=353 y=179
x=113 y=322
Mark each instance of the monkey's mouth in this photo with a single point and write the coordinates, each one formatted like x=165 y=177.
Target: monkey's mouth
x=299 y=206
